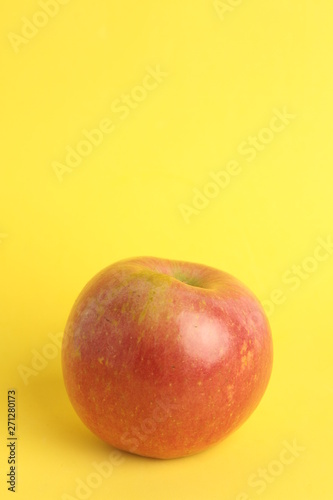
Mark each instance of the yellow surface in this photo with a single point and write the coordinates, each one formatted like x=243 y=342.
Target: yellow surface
x=181 y=92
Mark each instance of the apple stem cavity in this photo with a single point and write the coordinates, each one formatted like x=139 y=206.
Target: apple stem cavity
x=192 y=281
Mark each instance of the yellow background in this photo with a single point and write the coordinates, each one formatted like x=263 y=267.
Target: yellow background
x=227 y=69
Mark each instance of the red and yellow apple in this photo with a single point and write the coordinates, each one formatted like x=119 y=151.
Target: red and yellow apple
x=164 y=358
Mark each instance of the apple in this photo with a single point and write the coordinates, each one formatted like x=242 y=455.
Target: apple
x=164 y=358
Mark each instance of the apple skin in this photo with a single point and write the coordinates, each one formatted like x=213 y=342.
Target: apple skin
x=165 y=358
